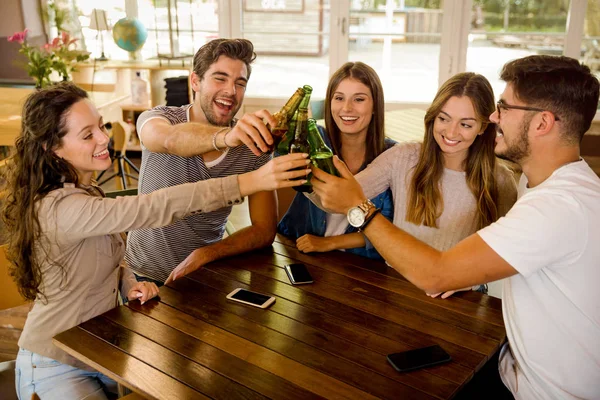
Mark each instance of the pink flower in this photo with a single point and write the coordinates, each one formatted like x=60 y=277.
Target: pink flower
x=55 y=42
x=18 y=37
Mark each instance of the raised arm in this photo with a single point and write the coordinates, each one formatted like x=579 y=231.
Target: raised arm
x=469 y=263
x=94 y=216
x=194 y=138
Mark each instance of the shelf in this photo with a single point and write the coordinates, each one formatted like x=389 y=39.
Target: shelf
x=135 y=107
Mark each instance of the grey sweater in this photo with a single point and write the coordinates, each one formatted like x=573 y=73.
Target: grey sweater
x=395 y=168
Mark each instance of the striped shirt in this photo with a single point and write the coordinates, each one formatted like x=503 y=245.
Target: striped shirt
x=154 y=253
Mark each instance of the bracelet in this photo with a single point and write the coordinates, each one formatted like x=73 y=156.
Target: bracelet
x=214 y=139
x=225 y=139
x=369 y=219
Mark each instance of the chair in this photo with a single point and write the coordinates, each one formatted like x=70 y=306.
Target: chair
x=7 y=380
x=124 y=192
x=122 y=163
x=10 y=294
x=317 y=109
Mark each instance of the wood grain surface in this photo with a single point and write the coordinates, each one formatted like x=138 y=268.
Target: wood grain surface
x=328 y=339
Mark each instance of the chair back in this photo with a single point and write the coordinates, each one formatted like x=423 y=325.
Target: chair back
x=125 y=192
x=317 y=109
x=120 y=136
x=10 y=294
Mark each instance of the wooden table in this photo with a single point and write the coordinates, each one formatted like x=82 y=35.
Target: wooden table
x=325 y=340
x=11 y=106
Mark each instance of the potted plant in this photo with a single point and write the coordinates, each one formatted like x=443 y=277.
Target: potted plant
x=59 y=55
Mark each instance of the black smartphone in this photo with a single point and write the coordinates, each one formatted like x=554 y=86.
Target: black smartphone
x=298 y=274
x=251 y=298
x=418 y=358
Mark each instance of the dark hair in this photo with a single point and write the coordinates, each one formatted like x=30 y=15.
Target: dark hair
x=558 y=84
x=425 y=203
x=237 y=49
x=33 y=171
x=375 y=133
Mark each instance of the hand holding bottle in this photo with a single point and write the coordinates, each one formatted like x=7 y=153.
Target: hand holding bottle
x=337 y=194
x=251 y=130
x=278 y=173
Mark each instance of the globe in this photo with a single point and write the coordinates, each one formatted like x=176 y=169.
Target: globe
x=129 y=34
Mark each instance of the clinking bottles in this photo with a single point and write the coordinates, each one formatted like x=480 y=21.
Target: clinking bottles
x=320 y=155
x=283 y=147
x=300 y=143
x=285 y=115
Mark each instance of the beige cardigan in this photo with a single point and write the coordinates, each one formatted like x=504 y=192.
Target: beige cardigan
x=80 y=232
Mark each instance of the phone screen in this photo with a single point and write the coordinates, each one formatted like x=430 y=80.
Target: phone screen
x=251 y=297
x=299 y=273
x=418 y=358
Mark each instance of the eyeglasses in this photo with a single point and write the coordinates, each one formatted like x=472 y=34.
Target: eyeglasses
x=501 y=104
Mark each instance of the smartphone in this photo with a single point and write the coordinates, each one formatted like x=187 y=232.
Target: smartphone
x=251 y=298
x=418 y=358
x=298 y=274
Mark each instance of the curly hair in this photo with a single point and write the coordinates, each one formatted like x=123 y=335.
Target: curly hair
x=33 y=171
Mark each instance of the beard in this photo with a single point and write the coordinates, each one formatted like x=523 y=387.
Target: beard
x=518 y=150
x=207 y=108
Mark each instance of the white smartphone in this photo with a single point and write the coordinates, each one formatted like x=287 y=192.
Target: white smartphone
x=251 y=298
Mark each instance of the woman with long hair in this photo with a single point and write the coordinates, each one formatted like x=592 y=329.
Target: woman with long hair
x=451 y=185
x=65 y=243
x=354 y=109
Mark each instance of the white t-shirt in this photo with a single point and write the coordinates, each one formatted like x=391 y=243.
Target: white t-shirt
x=551 y=308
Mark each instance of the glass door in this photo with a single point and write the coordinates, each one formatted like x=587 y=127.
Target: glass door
x=401 y=40
x=504 y=31
x=292 y=40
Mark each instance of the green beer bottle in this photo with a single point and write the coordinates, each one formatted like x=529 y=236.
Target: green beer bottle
x=284 y=116
x=300 y=143
x=283 y=147
x=320 y=155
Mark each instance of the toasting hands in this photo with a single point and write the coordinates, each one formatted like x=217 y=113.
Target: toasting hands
x=337 y=194
x=278 y=173
x=251 y=130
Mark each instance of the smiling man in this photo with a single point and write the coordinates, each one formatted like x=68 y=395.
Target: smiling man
x=548 y=244
x=201 y=141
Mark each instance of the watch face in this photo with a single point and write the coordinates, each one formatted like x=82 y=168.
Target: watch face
x=356 y=217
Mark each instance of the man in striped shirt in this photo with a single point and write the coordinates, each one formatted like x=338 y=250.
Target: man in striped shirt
x=200 y=141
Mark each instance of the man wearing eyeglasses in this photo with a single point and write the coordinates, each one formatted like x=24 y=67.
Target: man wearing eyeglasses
x=548 y=245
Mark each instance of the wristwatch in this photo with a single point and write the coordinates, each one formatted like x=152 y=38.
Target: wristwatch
x=357 y=215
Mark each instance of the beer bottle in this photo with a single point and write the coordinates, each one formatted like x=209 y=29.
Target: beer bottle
x=320 y=155
x=284 y=116
x=300 y=143
x=283 y=147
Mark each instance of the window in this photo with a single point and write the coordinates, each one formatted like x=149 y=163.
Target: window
x=591 y=38
x=401 y=44
x=503 y=31
x=177 y=28
x=94 y=40
x=292 y=39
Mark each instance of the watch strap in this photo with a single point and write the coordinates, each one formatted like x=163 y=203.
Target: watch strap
x=369 y=219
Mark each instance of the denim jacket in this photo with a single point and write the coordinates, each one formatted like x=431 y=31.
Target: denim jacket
x=304 y=217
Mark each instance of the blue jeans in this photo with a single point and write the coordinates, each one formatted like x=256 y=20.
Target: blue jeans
x=52 y=380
